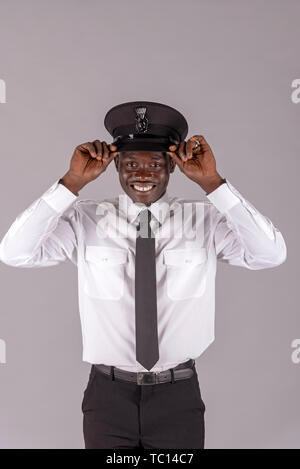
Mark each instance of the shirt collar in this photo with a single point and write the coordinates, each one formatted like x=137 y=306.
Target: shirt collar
x=159 y=209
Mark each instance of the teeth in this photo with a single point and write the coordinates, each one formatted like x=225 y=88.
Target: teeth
x=143 y=188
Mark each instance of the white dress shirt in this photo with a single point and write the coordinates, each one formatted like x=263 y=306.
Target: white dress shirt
x=99 y=238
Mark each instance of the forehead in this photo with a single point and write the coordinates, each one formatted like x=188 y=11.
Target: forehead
x=134 y=155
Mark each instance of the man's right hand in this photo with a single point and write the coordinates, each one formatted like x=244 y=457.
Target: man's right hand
x=89 y=160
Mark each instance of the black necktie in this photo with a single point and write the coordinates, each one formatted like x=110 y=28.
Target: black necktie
x=147 y=351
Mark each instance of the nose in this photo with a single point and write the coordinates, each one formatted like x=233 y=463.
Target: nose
x=143 y=174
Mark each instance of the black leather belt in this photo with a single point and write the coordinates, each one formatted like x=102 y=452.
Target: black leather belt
x=182 y=371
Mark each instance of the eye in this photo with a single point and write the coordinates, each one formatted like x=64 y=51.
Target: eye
x=156 y=164
x=130 y=164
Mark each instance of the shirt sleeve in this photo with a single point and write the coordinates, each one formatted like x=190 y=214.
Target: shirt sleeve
x=242 y=235
x=45 y=234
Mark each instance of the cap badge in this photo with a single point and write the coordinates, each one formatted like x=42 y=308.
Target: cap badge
x=141 y=124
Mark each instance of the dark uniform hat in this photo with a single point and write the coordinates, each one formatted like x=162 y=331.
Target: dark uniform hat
x=144 y=125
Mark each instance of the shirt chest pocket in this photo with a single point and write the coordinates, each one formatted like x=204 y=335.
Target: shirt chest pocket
x=186 y=272
x=105 y=271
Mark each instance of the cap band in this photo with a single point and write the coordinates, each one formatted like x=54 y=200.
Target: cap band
x=155 y=130
x=145 y=142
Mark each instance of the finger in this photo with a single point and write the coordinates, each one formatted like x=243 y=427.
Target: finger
x=196 y=138
x=189 y=148
x=89 y=148
x=105 y=150
x=200 y=138
x=112 y=147
x=195 y=144
x=99 y=149
x=172 y=147
x=204 y=146
x=181 y=150
x=204 y=143
x=176 y=158
x=111 y=156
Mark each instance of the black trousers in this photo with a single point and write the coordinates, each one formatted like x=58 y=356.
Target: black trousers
x=121 y=414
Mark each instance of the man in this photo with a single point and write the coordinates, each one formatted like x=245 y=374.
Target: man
x=146 y=272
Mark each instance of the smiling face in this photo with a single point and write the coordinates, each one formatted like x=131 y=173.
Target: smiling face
x=144 y=175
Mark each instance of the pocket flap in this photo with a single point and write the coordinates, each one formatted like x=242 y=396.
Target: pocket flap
x=180 y=257
x=104 y=255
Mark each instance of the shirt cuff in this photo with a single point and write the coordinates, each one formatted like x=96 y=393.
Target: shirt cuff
x=59 y=197
x=223 y=197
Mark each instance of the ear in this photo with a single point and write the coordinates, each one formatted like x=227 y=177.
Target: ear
x=172 y=163
x=117 y=162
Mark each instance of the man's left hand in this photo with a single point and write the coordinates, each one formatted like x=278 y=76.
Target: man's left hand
x=197 y=162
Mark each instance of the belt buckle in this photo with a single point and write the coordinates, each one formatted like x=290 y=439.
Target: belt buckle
x=150 y=377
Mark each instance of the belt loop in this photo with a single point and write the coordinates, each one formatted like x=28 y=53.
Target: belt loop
x=112 y=373
x=172 y=375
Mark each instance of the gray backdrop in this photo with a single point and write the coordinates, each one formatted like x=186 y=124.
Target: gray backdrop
x=228 y=67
